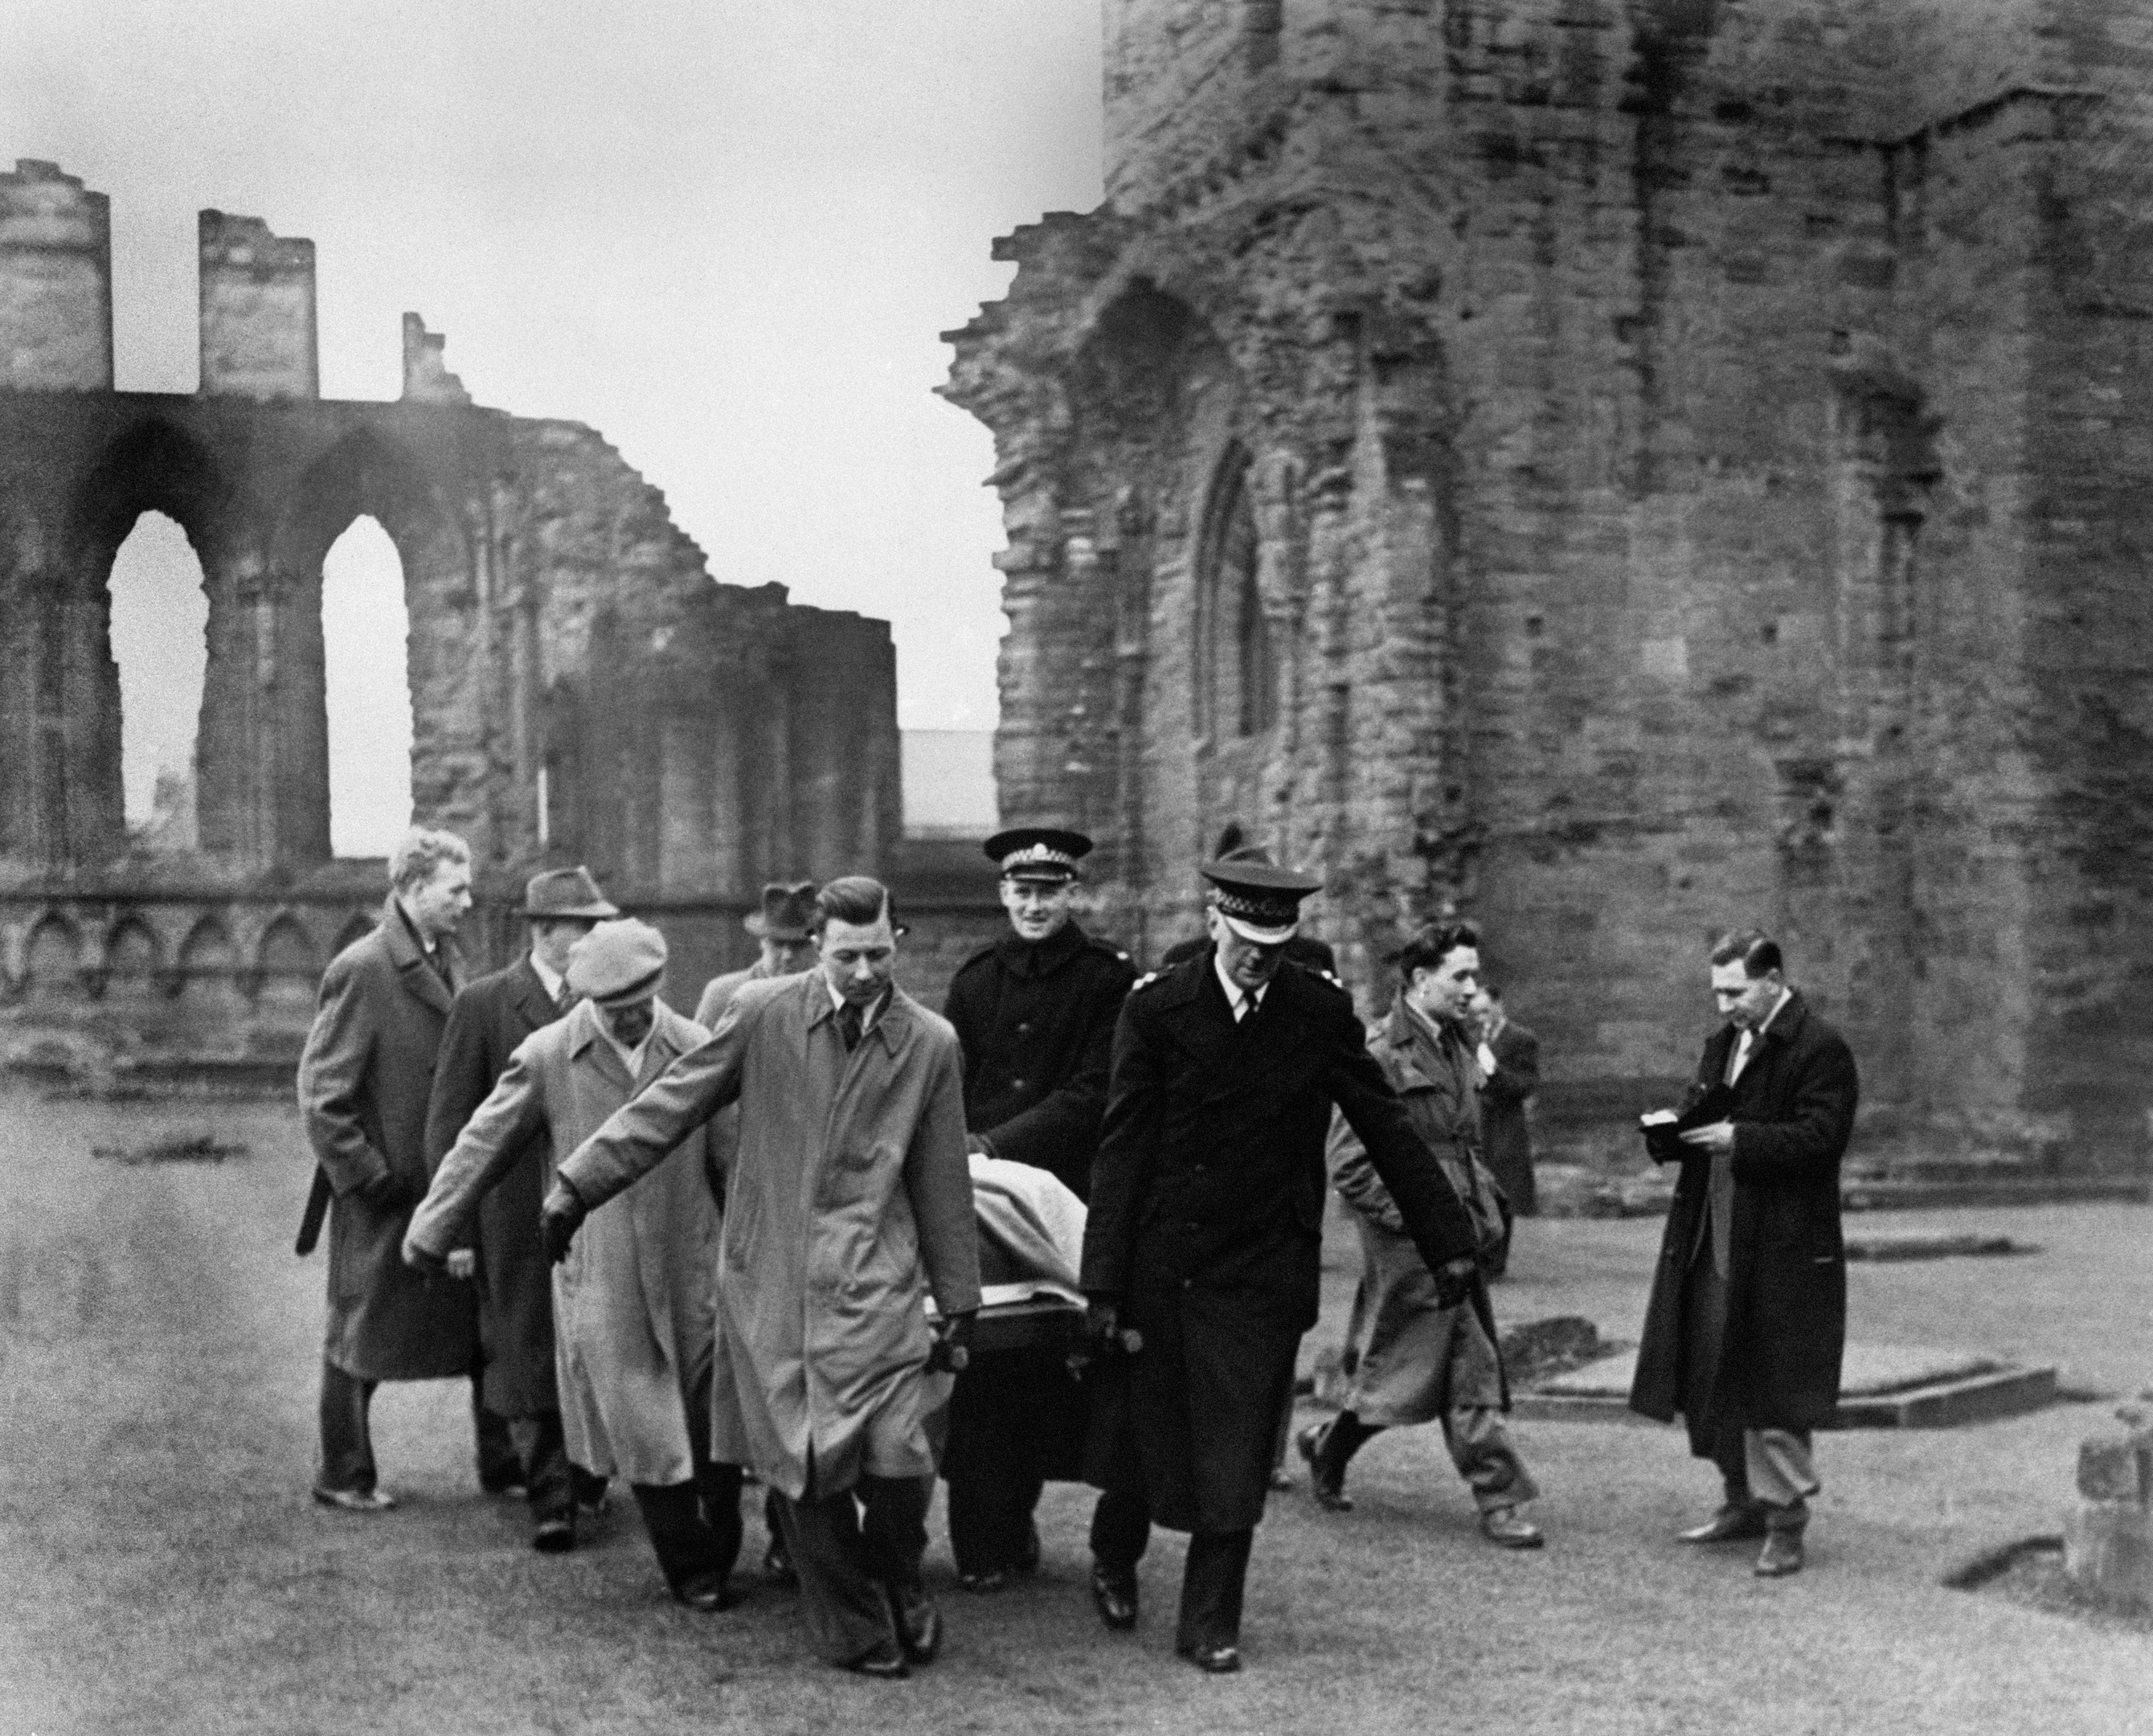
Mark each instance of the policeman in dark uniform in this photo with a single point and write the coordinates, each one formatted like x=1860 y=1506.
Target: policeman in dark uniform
x=1035 y=1013
x=1201 y=1250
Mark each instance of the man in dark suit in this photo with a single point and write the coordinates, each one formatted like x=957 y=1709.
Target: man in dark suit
x=1510 y=1069
x=514 y=1284
x=1748 y=1317
x=1201 y=1251
x=364 y=1079
x=1034 y=1014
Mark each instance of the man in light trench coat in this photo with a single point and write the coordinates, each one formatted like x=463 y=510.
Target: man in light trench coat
x=635 y=1316
x=784 y=930
x=364 y=1079
x=850 y=1201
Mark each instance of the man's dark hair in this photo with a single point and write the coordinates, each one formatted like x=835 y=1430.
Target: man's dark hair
x=1432 y=944
x=854 y=898
x=1756 y=951
x=1492 y=991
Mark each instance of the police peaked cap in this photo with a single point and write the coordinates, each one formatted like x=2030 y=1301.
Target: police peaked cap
x=1259 y=900
x=1038 y=852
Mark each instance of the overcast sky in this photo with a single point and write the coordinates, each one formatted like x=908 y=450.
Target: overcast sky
x=725 y=232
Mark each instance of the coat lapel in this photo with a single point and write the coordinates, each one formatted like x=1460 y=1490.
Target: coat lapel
x=415 y=970
x=532 y=1003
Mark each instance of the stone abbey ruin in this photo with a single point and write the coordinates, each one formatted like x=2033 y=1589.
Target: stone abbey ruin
x=580 y=689
x=1621 y=468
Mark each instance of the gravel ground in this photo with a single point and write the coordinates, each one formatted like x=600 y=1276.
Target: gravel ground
x=161 y=1568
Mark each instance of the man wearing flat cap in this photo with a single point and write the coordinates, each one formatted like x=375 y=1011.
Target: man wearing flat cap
x=489 y=1018
x=1035 y=1014
x=784 y=929
x=1201 y=1251
x=634 y=1306
x=848 y=1208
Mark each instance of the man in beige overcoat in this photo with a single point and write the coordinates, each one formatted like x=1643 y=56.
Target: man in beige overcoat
x=784 y=930
x=633 y=1303
x=364 y=1079
x=850 y=1202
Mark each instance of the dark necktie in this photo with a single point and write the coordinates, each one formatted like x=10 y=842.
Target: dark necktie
x=849 y=1022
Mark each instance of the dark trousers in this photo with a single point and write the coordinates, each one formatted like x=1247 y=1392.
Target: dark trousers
x=695 y=1527
x=348 y=1440
x=1212 y=1581
x=542 y=1450
x=846 y=1547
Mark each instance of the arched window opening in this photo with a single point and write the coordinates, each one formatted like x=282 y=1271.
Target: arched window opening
x=366 y=682
x=1236 y=664
x=160 y=642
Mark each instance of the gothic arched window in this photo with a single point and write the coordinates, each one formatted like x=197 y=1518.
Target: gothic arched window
x=1236 y=666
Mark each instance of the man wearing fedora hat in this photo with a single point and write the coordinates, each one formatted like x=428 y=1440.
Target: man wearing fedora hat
x=635 y=1315
x=1035 y=1012
x=490 y=1017
x=784 y=929
x=1201 y=1252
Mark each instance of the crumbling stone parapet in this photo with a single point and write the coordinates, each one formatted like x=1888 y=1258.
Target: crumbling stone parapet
x=2108 y=1537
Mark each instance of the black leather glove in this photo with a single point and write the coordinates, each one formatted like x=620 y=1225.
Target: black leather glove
x=1453 y=1281
x=559 y=1219
x=951 y=1352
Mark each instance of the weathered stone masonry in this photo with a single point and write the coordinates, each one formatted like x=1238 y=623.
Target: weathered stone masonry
x=580 y=689
x=1619 y=468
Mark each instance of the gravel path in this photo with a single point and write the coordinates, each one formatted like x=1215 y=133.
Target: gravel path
x=162 y=1569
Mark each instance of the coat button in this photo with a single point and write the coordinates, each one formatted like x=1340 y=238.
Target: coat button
x=1025 y=1029
x=1016 y=1085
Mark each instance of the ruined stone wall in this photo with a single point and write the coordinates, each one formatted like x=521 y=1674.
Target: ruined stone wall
x=580 y=689
x=1690 y=457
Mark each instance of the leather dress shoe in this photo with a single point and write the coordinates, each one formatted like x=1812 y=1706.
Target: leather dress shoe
x=1213 y=1660
x=513 y=1489
x=1732 y=1523
x=884 y=1664
x=991 y=1578
x=1328 y=1490
x=707 y=1592
x=918 y=1622
x=1504 y=1528
x=555 y=1535
x=1781 y=1553
x=355 y=1500
x=1114 y=1596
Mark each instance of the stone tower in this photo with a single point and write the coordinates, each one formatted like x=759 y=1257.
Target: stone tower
x=1621 y=469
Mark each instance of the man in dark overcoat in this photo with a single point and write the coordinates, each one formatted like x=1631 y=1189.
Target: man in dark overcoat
x=1035 y=1014
x=1748 y=1317
x=490 y=1017
x=1511 y=1070
x=1201 y=1251
x=365 y=1078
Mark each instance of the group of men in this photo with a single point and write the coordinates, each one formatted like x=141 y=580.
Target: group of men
x=677 y=1252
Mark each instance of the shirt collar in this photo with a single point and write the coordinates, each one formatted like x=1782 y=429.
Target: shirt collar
x=1235 y=993
x=870 y=1014
x=1785 y=996
x=549 y=979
